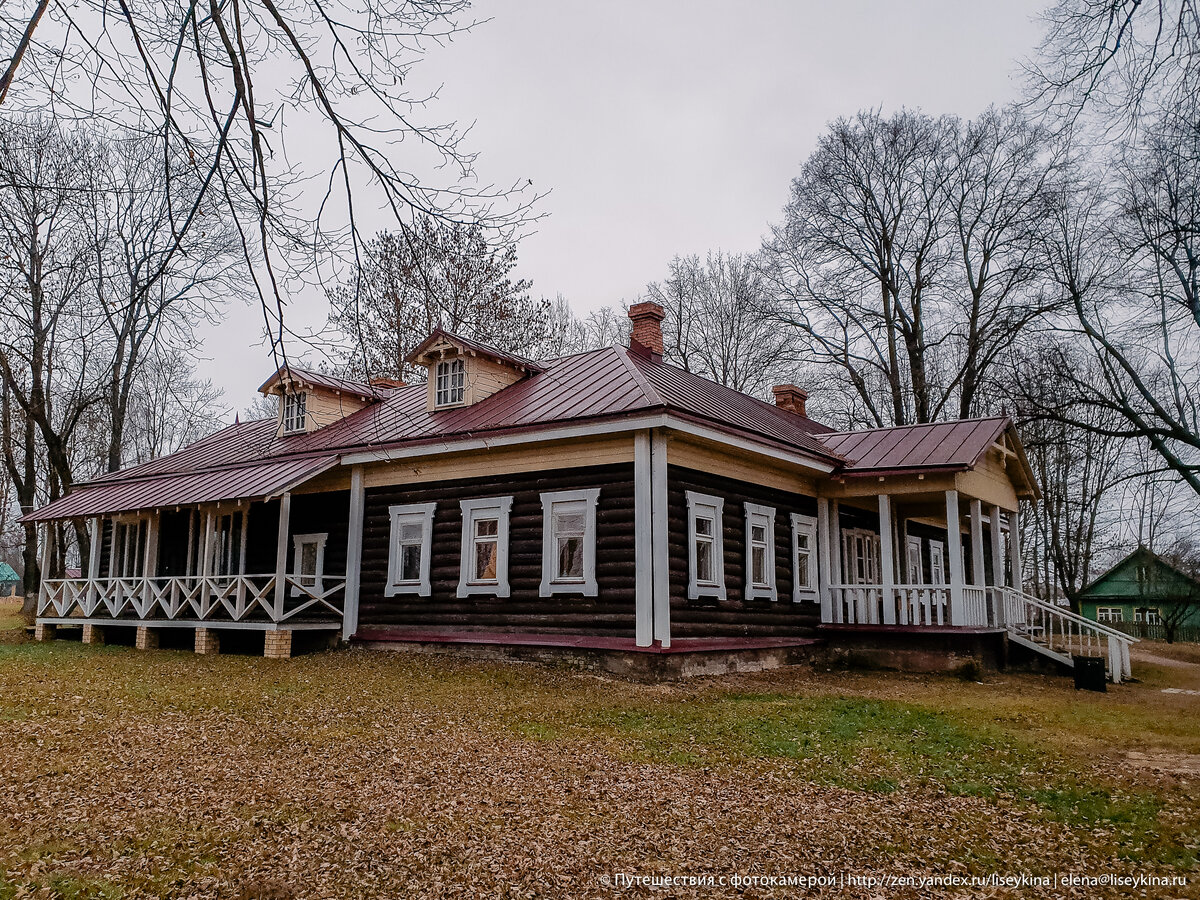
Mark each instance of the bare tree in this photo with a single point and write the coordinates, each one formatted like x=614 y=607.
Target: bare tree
x=169 y=407
x=717 y=323
x=908 y=257
x=439 y=275
x=224 y=86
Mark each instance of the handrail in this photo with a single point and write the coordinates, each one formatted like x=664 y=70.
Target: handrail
x=1069 y=614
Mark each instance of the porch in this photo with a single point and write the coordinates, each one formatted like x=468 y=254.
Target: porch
x=272 y=565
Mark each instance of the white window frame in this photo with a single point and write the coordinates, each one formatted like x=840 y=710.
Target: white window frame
x=295 y=411
x=450 y=382
x=709 y=507
x=406 y=514
x=1110 y=614
x=498 y=508
x=551 y=583
x=807 y=525
x=912 y=545
x=937 y=563
x=757 y=514
x=298 y=542
x=1147 y=615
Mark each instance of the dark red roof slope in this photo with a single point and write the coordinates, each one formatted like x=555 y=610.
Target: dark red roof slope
x=320 y=379
x=959 y=444
x=250 y=460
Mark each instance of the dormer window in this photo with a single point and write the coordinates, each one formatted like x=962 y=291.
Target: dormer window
x=451 y=382
x=295 y=411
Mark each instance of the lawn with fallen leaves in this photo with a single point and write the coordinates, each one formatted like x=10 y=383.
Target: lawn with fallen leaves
x=380 y=774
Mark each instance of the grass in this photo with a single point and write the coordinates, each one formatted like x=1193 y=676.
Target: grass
x=362 y=774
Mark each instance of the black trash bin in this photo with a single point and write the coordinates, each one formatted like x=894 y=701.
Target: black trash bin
x=1089 y=674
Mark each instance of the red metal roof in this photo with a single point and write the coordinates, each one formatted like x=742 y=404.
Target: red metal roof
x=247 y=482
x=250 y=460
x=939 y=445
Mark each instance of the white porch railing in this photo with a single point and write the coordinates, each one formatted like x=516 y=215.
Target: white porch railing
x=1049 y=629
x=230 y=598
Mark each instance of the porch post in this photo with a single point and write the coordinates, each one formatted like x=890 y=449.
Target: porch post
x=243 y=544
x=643 y=542
x=206 y=555
x=190 y=565
x=96 y=535
x=977 y=563
x=887 y=565
x=1014 y=550
x=954 y=545
x=281 y=549
x=44 y=564
x=835 y=561
x=353 y=553
x=658 y=527
x=997 y=564
x=150 y=566
x=824 y=575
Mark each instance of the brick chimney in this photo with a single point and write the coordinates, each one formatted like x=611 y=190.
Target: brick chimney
x=790 y=397
x=647 y=327
x=383 y=381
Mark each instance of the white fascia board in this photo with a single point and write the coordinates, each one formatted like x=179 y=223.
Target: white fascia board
x=565 y=432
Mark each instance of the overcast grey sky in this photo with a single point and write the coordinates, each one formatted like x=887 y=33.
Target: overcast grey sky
x=665 y=128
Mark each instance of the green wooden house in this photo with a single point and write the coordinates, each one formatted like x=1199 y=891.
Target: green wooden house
x=9 y=580
x=1143 y=589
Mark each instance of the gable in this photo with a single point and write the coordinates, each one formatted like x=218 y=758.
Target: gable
x=1141 y=575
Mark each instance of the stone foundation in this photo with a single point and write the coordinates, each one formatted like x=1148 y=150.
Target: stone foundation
x=147 y=639
x=277 y=644
x=93 y=634
x=208 y=642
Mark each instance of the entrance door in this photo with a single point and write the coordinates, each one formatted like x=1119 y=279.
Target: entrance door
x=860 y=556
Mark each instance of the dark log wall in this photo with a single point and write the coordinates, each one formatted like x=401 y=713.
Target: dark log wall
x=611 y=613
x=735 y=615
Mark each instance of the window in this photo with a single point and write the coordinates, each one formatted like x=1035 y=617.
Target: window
x=1148 y=615
x=569 y=543
x=450 y=382
x=916 y=568
x=760 y=552
x=308 y=567
x=706 y=563
x=483 y=567
x=408 y=549
x=860 y=556
x=804 y=559
x=295 y=411
x=1110 y=614
x=937 y=562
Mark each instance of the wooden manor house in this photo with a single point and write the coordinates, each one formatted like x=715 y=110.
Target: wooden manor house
x=604 y=502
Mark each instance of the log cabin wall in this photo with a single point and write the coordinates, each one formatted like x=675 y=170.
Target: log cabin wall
x=611 y=613
x=735 y=616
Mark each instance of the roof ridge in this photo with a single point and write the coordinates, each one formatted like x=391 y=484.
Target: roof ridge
x=648 y=390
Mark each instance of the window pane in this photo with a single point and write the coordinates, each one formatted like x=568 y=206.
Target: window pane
x=758 y=566
x=758 y=533
x=802 y=577
x=568 y=523
x=704 y=570
x=802 y=540
x=704 y=526
x=487 y=527
x=570 y=557
x=308 y=562
x=410 y=532
x=410 y=562
x=485 y=560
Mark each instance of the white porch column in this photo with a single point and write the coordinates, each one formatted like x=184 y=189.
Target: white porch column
x=354 y=553
x=837 y=597
x=658 y=527
x=190 y=565
x=95 y=538
x=994 y=524
x=643 y=541
x=245 y=540
x=44 y=563
x=977 y=563
x=1014 y=550
x=824 y=574
x=281 y=551
x=887 y=557
x=206 y=560
x=150 y=564
x=954 y=545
